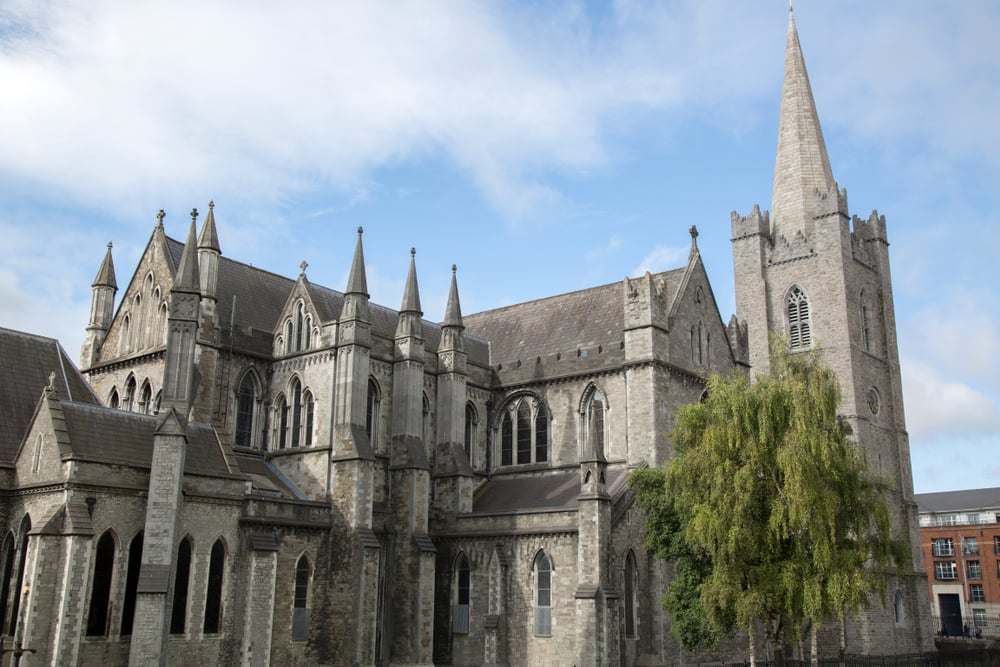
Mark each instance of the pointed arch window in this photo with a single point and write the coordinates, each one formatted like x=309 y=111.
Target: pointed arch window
x=21 y=563
x=162 y=321
x=373 y=408
x=100 y=589
x=866 y=329
x=543 y=595
x=799 y=324
x=300 y=601
x=123 y=341
x=288 y=337
x=8 y=574
x=178 y=613
x=146 y=398
x=299 y=323
x=246 y=407
x=631 y=586
x=471 y=429
x=135 y=343
x=131 y=583
x=129 y=400
x=213 y=595
x=426 y=429
x=309 y=406
x=281 y=422
x=524 y=432
x=296 y=393
x=463 y=587
x=113 y=401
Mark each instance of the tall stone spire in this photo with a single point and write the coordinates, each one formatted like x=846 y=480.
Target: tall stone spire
x=102 y=301
x=411 y=295
x=106 y=274
x=453 y=309
x=356 y=281
x=187 y=278
x=802 y=166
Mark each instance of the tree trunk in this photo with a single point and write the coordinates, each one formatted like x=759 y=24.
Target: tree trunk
x=814 y=649
x=753 y=649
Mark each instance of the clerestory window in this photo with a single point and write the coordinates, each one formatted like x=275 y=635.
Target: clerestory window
x=524 y=432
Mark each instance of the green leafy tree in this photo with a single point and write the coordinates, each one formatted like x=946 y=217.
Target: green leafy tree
x=767 y=509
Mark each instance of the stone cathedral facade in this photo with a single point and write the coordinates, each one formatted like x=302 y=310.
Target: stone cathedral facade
x=250 y=469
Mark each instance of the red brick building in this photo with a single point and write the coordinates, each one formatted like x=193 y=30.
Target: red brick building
x=960 y=536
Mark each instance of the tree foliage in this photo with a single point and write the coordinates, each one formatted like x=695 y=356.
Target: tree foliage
x=767 y=509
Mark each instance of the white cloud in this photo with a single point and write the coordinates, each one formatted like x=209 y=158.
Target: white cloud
x=661 y=258
x=937 y=406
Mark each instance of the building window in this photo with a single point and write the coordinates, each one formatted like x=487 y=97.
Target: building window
x=310 y=407
x=113 y=401
x=426 y=430
x=178 y=613
x=543 y=595
x=21 y=563
x=100 y=589
x=946 y=520
x=373 y=406
x=281 y=423
x=8 y=573
x=979 y=617
x=976 y=593
x=300 y=602
x=131 y=583
x=996 y=545
x=942 y=546
x=974 y=518
x=975 y=570
x=799 y=325
x=460 y=612
x=471 y=430
x=970 y=546
x=129 y=402
x=945 y=569
x=146 y=398
x=527 y=421
x=631 y=585
x=866 y=330
x=213 y=596
x=246 y=405
x=296 y=393
x=898 y=608
x=594 y=426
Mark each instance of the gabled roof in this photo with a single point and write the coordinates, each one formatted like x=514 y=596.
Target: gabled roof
x=112 y=436
x=558 y=323
x=556 y=490
x=26 y=361
x=958 y=501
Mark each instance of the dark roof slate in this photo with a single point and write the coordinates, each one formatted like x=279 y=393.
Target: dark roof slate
x=26 y=361
x=559 y=323
x=117 y=437
x=547 y=491
x=956 y=501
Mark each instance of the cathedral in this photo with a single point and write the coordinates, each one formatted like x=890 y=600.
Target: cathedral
x=252 y=469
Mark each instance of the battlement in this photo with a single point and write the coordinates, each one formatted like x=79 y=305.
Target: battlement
x=757 y=223
x=832 y=202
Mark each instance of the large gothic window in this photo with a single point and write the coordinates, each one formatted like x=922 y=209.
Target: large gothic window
x=524 y=432
x=799 y=325
x=100 y=589
x=131 y=583
x=543 y=595
x=373 y=405
x=213 y=596
x=178 y=614
x=246 y=405
x=300 y=600
x=460 y=611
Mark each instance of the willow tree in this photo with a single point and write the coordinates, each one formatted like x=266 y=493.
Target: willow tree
x=768 y=509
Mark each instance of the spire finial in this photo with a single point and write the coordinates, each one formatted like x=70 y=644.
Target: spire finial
x=361 y=230
x=454 y=269
x=194 y=215
x=211 y=204
x=159 y=218
x=413 y=252
x=109 y=245
x=304 y=265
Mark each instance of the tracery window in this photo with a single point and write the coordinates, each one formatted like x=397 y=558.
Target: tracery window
x=799 y=324
x=300 y=601
x=543 y=595
x=100 y=589
x=524 y=426
x=146 y=398
x=129 y=401
x=246 y=407
x=182 y=577
x=213 y=595
x=460 y=611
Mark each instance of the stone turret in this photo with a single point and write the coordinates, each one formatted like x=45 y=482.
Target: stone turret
x=165 y=499
x=208 y=266
x=102 y=304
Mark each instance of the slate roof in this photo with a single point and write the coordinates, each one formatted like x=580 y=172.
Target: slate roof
x=562 y=323
x=266 y=479
x=114 y=436
x=261 y=296
x=957 y=501
x=26 y=361
x=548 y=491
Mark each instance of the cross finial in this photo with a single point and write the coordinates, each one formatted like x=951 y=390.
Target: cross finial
x=159 y=218
x=304 y=265
x=194 y=215
x=109 y=245
x=453 y=269
x=361 y=230
x=694 y=238
x=211 y=204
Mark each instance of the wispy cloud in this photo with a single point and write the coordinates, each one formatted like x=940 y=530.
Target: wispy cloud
x=661 y=258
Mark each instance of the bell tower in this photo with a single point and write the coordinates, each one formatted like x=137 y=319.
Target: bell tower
x=810 y=272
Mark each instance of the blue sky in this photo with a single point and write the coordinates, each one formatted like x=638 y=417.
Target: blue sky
x=542 y=149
